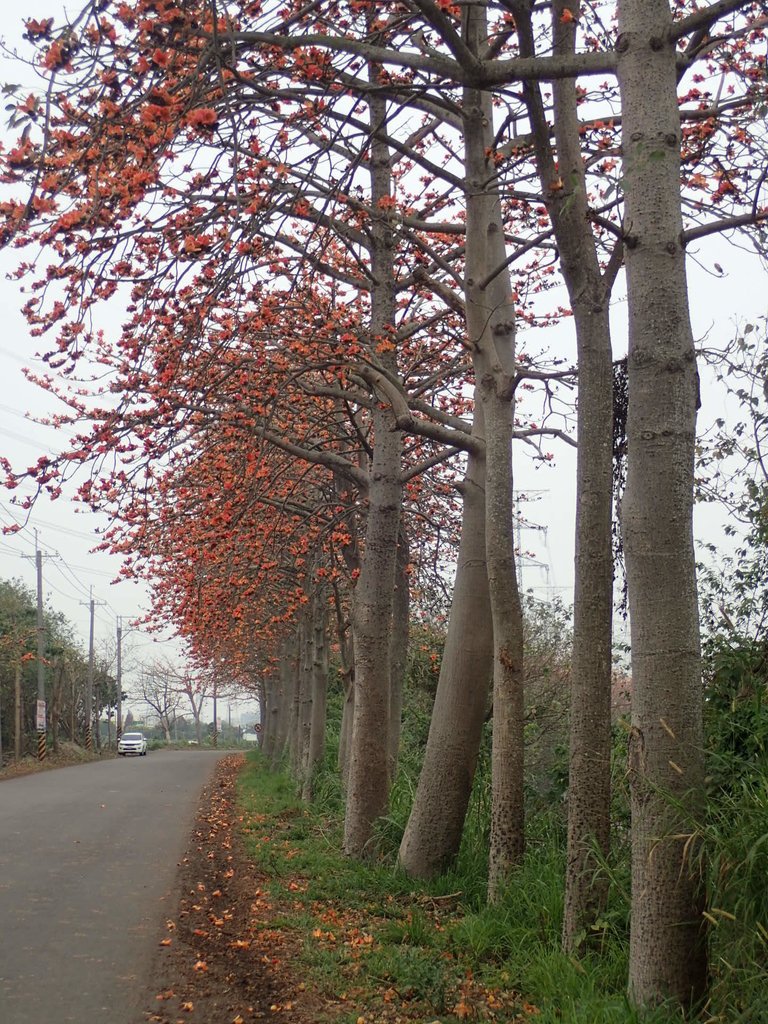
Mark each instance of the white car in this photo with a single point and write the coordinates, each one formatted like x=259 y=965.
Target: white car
x=132 y=743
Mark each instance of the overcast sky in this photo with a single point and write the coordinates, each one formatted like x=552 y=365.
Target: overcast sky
x=718 y=301
x=65 y=535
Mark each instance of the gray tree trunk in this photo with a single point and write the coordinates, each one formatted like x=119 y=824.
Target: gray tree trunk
x=304 y=721
x=347 y=672
x=667 y=945
x=433 y=832
x=368 y=781
x=398 y=647
x=351 y=555
x=345 y=733
x=589 y=791
x=490 y=318
x=319 y=682
x=286 y=699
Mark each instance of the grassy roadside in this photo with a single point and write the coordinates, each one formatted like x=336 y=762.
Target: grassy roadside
x=387 y=950
x=67 y=755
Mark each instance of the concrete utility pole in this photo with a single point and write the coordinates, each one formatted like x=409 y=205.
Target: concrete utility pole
x=89 y=685
x=40 y=715
x=119 y=725
x=42 y=730
x=120 y=633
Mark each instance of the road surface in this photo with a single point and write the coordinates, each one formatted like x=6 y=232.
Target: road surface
x=88 y=860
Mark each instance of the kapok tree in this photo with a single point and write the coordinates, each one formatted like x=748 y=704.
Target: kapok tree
x=152 y=127
x=165 y=116
x=447 y=58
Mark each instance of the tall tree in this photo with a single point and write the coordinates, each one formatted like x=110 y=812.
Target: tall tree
x=668 y=947
x=561 y=167
x=491 y=339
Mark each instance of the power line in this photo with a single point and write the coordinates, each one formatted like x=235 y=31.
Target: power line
x=30 y=442
x=71 y=531
x=13 y=551
x=80 y=586
x=15 y=356
x=70 y=577
x=31 y=419
x=92 y=571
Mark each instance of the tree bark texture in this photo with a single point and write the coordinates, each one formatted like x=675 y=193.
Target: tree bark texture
x=563 y=184
x=667 y=945
x=433 y=832
x=319 y=683
x=368 y=783
x=304 y=723
x=345 y=731
x=490 y=317
x=398 y=647
x=287 y=698
x=347 y=672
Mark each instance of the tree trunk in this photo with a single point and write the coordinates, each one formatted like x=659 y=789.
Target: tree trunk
x=667 y=944
x=319 y=683
x=589 y=777
x=368 y=785
x=345 y=733
x=347 y=673
x=287 y=698
x=398 y=647
x=563 y=184
x=490 y=318
x=433 y=833
x=350 y=551
x=269 y=718
x=300 y=693
x=304 y=737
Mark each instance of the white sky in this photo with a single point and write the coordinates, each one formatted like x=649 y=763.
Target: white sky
x=718 y=302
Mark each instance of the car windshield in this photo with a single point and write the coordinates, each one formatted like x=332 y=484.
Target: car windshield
x=132 y=736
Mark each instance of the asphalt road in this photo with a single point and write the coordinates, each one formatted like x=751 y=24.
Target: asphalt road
x=88 y=860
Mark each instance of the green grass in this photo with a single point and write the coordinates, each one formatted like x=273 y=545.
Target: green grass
x=437 y=952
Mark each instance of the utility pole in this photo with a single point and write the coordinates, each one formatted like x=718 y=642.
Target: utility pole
x=42 y=731
x=40 y=715
x=89 y=685
x=119 y=725
x=120 y=633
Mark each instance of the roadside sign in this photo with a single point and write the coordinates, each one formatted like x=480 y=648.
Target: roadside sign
x=41 y=716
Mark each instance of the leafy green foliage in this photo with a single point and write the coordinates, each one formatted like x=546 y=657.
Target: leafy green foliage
x=734 y=834
x=426 y=941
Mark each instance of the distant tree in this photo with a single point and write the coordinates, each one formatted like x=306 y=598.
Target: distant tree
x=158 y=689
